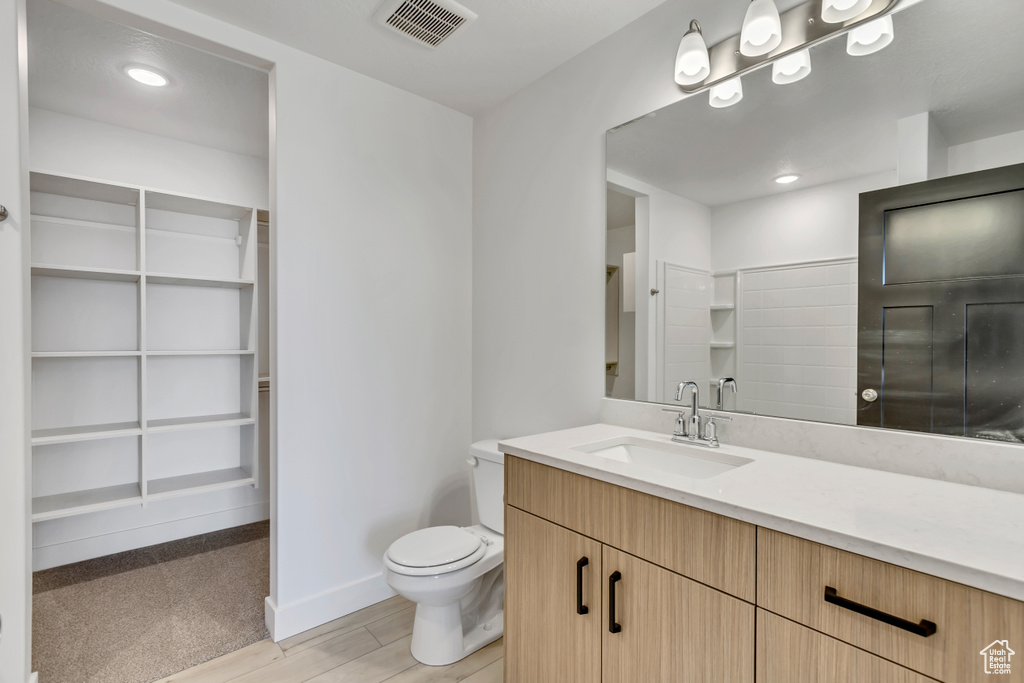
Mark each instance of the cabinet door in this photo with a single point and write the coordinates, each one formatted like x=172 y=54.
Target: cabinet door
x=790 y=653
x=547 y=640
x=670 y=628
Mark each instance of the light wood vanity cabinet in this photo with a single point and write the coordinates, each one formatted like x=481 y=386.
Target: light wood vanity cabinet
x=790 y=653
x=552 y=574
x=685 y=598
x=922 y=622
x=664 y=626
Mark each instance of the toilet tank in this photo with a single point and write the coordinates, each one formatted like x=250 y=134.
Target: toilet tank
x=489 y=483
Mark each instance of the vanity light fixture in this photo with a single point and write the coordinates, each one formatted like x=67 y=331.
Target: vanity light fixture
x=838 y=11
x=870 y=37
x=147 y=76
x=787 y=179
x=762 y=29
x=760 y=41
x=692 y=65
x=727 y=94
x=792 y=67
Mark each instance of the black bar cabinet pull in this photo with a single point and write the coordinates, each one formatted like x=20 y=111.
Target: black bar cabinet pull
x=924 y=629
x=580 y=564
x=612 y=580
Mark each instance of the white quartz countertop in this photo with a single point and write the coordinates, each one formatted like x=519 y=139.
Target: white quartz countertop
x=966 y=534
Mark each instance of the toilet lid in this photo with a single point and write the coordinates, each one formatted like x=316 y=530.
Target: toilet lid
x=438 y=545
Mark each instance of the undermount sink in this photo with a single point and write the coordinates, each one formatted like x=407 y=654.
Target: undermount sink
x=686 y=461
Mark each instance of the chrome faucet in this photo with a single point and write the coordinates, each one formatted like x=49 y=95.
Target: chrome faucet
x=692 y=433
x=719 y=403
x=692 y=429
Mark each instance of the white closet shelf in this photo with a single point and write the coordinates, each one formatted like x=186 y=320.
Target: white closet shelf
x=723 y=307
x=86 y=354
x=201 y=352
x=723 y=345
x=176 y=424
x=201 y=481
x=196 y=281
x=83 y=224
x=89 y=500
x=49 y=270
x=113 y=430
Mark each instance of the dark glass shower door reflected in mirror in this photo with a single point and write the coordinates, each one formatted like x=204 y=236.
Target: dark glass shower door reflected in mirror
x=941 y=315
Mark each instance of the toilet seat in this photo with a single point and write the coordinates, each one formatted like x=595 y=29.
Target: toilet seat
x=436 y=550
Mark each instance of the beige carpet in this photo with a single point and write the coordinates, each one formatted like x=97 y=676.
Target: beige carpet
x=142 y=615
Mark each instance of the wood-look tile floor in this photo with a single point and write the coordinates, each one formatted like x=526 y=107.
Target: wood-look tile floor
x=368 y=646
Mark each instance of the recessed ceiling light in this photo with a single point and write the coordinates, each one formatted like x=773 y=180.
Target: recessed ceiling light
x=787 y=179
x=147 y=76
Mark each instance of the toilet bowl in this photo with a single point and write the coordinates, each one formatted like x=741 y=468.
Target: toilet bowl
x=455 y=575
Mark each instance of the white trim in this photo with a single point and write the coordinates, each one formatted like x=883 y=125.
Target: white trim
x=57 y=554
x=796 y=264
x=33 y=677
x=288 y=620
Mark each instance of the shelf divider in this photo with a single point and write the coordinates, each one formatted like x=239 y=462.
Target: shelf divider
x=77 y=272
x=200 y=481
x=112 y=430
x=175 y=424
x=197 y=281
x=80 y=502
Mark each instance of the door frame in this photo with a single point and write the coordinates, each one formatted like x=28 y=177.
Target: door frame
x=15 y=403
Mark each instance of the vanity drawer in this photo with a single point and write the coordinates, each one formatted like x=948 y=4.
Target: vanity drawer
x=709 y=548
x=790 y=653
x=873 y=605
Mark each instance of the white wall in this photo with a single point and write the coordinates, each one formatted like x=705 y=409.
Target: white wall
x=538 y=228
x=1001 y=150
x=74 y=146
x=15 y=571
x=812 y=224
x=371 y=247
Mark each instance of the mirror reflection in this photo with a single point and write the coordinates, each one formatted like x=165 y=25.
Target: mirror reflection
x=749 y=243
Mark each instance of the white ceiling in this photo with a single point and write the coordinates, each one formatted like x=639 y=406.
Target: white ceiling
x=963 y=65
x=511 y=44
x=76 y=64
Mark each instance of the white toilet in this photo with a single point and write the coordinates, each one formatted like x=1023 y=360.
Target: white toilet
x=456 y=575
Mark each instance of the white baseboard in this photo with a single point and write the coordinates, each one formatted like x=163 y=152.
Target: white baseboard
x=34 y=678
x=288 y=620
x=58 y=554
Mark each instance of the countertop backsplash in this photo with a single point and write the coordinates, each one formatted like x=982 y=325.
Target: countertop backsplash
x=974 y=462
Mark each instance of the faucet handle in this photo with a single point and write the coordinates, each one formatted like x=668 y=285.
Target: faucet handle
x=711 y=432
x=680 y=426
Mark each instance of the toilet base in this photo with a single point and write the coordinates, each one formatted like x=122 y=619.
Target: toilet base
x=437 y=637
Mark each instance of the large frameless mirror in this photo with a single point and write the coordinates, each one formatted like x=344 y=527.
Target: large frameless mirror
x=883 y=285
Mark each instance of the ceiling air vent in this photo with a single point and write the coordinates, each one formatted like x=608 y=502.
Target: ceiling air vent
x=428 y=22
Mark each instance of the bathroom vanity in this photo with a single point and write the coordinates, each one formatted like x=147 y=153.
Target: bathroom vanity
x=749 y=566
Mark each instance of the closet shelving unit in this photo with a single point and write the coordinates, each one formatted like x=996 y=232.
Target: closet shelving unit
x=144 y=342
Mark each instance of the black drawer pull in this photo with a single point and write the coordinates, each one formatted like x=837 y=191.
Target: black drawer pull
x=580 y=564
x=924 y=629
x=612 y=580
